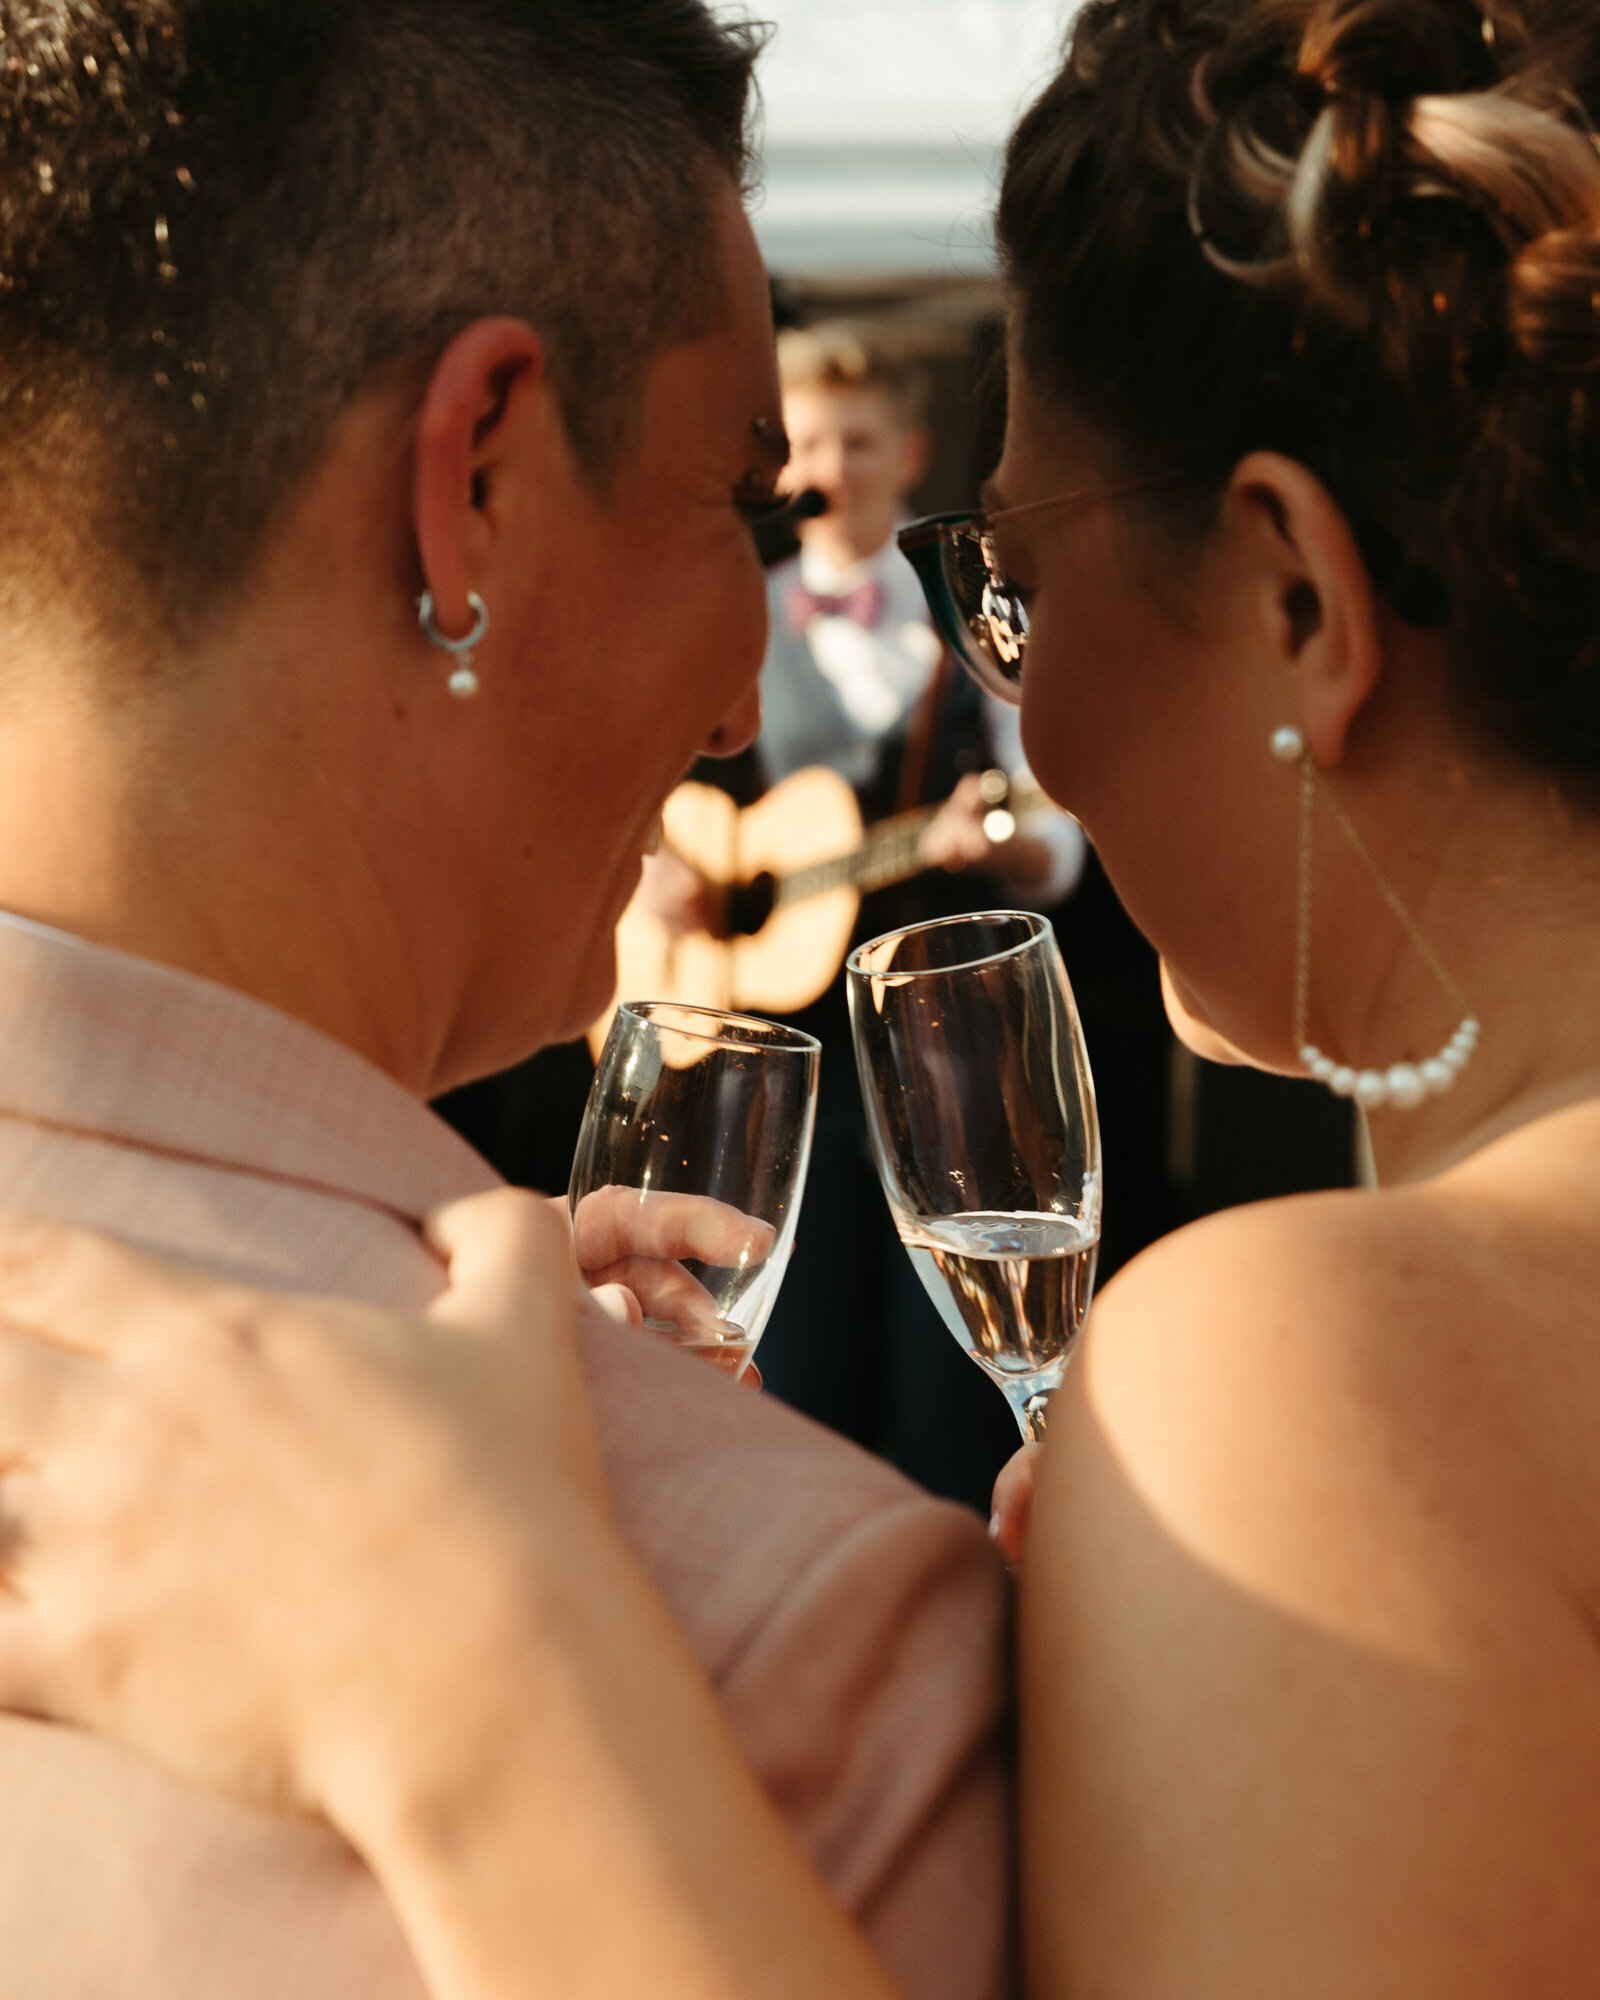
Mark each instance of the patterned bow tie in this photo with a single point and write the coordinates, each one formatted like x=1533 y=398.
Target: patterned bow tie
x=863 y=605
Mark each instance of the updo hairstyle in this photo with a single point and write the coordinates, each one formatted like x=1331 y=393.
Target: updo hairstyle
x=1365 y=233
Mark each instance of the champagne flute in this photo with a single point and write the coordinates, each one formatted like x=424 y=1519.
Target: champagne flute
x=982 y=1117
x=690 y=1167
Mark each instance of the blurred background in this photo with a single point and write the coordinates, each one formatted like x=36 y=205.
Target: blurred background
x=885 y=127
x=886 y=122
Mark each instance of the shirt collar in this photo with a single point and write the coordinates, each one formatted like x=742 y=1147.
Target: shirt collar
x=97 y=1041
x=818 y=574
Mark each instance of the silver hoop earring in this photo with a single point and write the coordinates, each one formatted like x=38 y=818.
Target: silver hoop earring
x=1402 y=1086
x=463 y=681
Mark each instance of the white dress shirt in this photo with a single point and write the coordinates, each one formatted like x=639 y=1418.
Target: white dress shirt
x=880 y=673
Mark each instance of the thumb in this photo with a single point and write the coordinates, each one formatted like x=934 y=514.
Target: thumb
x=510 y=1261
x=1013 y=1503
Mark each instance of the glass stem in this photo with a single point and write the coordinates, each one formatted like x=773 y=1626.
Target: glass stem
x=1029 y=1407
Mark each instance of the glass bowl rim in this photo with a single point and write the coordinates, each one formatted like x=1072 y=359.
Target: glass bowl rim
x=771 y=1037
x=1042 y=929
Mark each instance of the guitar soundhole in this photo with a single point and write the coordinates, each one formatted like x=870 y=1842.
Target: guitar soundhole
x=749 y=904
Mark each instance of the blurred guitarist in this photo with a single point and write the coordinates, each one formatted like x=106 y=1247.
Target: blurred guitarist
x=855 y=679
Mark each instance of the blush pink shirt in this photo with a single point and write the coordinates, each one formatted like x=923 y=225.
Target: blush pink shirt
x=854 y=1629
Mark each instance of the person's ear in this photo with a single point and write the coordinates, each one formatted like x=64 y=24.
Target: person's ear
x=487 y=390
x=1315 y=601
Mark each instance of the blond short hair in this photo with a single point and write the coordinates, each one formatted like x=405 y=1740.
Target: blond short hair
x=838 y=356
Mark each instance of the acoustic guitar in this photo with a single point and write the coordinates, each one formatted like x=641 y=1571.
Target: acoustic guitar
x=793 y=869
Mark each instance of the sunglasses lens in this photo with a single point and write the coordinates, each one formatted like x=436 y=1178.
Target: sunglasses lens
x=992 y=619
x=977 y=613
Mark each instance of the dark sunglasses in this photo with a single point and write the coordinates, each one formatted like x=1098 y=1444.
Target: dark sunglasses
x=978 y=611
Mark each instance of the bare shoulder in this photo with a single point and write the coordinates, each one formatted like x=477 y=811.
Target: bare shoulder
x=1329 y=1259
x=1282 y=1294
x=1310 y=1689
x=1435 y=1347
x=1330 y=1368
x=1274 y=1382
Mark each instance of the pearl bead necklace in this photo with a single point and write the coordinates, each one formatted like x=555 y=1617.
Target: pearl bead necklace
x=1402 y=1086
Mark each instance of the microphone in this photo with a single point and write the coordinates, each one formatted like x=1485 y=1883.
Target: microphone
x=809 y=505
x=777 y=534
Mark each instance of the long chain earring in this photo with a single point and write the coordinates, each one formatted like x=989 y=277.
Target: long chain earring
x=1403 y=1085
x=463 y=681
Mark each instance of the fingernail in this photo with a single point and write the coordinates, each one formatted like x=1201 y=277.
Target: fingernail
x=994 y=1526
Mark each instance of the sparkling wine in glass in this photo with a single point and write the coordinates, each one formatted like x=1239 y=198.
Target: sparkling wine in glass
x=982 y=1117
x=690 y=1167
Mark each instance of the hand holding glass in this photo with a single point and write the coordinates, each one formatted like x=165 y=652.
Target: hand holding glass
x=982 y=1116
x=690 y=1167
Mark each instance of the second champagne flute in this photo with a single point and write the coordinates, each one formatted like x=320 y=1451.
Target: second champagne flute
x=982 y=1116
x=690 y=1167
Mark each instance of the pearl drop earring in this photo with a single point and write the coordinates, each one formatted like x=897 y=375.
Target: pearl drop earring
x=463 y=682
x=1403 y=1085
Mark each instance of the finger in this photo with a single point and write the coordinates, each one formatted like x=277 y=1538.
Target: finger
x=38 y=1385
x=751 y=1376
x=617 y=1222
x=667 y=1292
x=84 y=1291
x=26 y=1672
x=618 y=1303
x=1013 y=1502
x=510 y=1261
x=39 y=1659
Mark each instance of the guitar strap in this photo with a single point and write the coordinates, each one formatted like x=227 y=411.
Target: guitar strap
x=919 y=737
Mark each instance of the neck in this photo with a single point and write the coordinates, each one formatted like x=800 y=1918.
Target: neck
x=168 y=829
x=1511 y=1080
x=1510 y=916
x=843 y=542
x=1582 y=1087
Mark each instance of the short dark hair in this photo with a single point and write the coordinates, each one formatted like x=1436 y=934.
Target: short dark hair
x=1365 y=233
x=219 y=219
